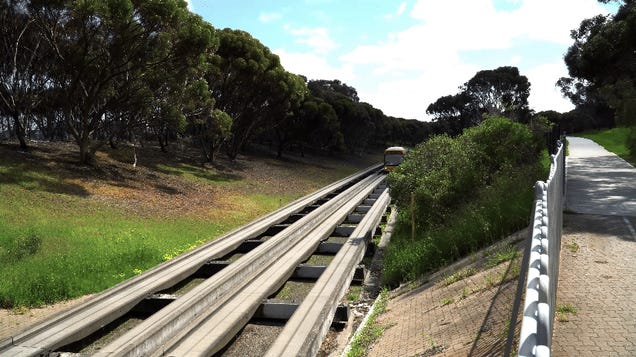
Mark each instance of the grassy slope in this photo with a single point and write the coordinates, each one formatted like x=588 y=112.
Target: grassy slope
x=612 y=140
x=66 y=230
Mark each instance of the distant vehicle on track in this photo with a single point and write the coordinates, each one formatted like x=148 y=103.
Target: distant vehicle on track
x=393 y=156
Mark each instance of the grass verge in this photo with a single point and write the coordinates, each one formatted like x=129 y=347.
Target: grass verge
x=371 y=330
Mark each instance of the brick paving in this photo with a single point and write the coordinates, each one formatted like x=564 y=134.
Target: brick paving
x=598 y=278
x=467 y=317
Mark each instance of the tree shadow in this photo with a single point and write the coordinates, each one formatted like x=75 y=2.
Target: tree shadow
x=602 y=185
x=31 y=172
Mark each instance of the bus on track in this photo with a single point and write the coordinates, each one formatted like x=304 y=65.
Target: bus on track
x=393 y=156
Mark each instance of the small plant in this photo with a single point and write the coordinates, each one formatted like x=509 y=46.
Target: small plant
x=490 y=281
x=354 y=293
x=20 y=310
x=464 y=293
x=460 y=275
x=573 y=247
x=371 y=331
x=501 y=255
x=564 y=310
x=447 y=301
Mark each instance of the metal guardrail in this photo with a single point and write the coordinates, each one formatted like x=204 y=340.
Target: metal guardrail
x=541 y=261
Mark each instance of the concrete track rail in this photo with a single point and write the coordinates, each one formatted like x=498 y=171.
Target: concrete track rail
x=304 y=332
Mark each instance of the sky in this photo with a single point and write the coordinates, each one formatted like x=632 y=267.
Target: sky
x=401 y=56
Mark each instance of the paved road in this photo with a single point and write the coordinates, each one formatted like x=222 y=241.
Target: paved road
x=597 y=272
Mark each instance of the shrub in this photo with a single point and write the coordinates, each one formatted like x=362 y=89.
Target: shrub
x=445 y=172
x=469 y=191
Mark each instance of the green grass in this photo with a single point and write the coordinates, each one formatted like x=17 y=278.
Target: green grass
x=58 y=242
x=564 y=311
x=573 y=247
x=56 y=246
x=613 y=140
x=503 y=254
x=460 y=275
x=371 y=331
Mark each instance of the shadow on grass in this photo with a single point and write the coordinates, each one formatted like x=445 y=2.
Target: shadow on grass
x=31 y=173
x=177 y=163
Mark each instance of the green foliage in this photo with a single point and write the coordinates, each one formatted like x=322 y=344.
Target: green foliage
x=469 y=191
x=503 y=254
x=602 y=67
x=445 y=172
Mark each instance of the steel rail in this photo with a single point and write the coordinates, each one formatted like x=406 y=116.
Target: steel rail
x=178 y=318
x=83 y=320
x=304 y=332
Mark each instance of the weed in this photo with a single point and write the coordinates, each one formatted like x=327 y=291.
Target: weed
x=573 y=247
x=462 y=274
x=446 y=301
x=503 y=254
x=354 y=293
x=20 y=310
x=371 y=331
x=464 y=293
x=490 y=281
x=564 y=311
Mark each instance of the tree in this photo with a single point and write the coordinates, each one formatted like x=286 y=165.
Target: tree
x=25 y=60
x=251 y=86
x=501 y=91
x=602 y=65
x=454 y=113
x=103 y=51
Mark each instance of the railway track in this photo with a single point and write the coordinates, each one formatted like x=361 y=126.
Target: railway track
x=202 y=320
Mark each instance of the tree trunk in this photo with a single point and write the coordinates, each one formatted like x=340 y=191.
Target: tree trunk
x=87 y=154
x=20 y=131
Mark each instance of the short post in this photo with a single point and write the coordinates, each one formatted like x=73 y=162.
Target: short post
x=412 y=216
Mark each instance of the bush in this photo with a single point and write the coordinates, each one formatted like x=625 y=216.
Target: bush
x=445 y=172
x=469 y=191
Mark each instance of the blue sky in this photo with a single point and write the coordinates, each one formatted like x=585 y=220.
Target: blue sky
x=403 y=55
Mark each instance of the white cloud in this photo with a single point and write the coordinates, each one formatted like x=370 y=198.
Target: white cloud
x=544 y=95
x=313 y=66
x=190 y=5
x=267 y=17
x=405 y=71
x=422 y=63
x=551 y=21
x=400 y=10
x=317 y=38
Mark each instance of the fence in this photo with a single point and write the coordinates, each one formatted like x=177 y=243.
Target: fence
x=540 y=265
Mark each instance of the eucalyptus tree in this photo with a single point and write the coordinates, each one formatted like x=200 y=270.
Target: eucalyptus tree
x=103 y=51
x=501 y=91
x=602 y=65
x=251 y=86
x=313 y=124
x=25 y=59
x=455 y=113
